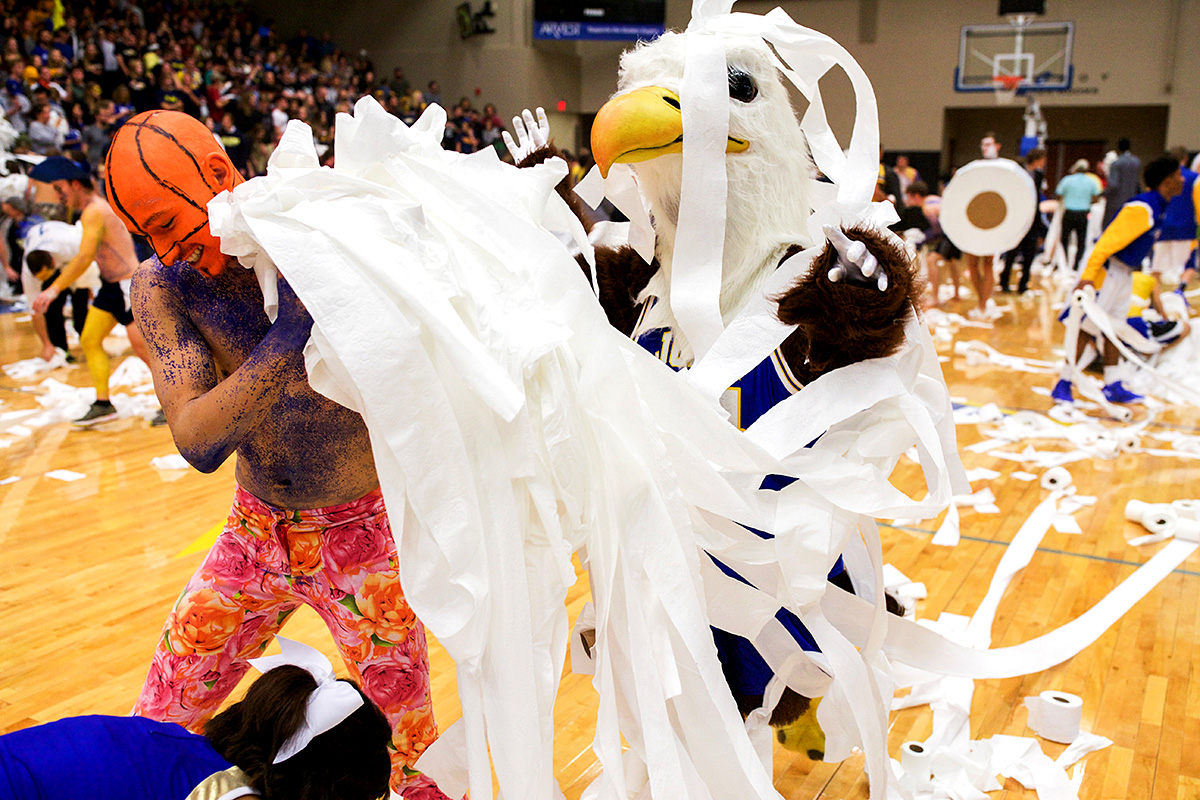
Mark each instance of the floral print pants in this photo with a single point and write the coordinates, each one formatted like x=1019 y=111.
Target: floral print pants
x=342 y=562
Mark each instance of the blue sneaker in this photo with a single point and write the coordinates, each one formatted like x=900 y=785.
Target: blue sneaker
x=1062 y=392
x=1116 y=392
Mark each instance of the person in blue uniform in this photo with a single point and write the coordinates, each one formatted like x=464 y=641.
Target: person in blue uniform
x=1119 y=253
x=134 y=758
x=1175 y=249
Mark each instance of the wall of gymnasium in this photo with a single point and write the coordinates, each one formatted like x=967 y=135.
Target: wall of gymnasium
x=1127 y=53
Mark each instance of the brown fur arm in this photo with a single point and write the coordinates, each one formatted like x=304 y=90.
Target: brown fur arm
x=843 y=323
x=565 y=187
x=622 y=274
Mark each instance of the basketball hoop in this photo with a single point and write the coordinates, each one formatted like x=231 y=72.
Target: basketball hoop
x=1006 y=88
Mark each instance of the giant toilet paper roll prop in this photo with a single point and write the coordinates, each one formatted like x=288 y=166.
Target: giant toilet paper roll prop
x=1055 y=716
x=988 y=206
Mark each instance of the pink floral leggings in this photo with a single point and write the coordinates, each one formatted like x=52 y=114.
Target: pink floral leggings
x=342 y=562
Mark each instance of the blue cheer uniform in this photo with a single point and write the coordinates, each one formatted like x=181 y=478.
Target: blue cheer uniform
x=105 y=758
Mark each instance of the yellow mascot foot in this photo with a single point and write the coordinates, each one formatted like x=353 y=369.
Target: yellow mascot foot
x=804 y=735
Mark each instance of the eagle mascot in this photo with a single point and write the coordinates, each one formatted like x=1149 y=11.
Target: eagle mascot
x=850 y=305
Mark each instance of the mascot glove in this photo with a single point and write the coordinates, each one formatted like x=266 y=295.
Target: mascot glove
x=855 y=264
x=530 y=135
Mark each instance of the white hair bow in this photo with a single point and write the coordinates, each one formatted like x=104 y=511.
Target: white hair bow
x=328 y=705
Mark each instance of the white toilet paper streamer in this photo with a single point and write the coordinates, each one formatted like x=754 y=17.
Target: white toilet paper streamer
x=1055 y=715
x=543 y=383
x=442 y=530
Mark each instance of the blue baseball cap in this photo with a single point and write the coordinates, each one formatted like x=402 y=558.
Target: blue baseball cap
x=59 y=168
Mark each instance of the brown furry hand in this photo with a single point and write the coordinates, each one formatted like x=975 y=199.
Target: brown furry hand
x=841 y=322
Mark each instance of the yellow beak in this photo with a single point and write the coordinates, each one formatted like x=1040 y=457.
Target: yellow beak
x=641 y=125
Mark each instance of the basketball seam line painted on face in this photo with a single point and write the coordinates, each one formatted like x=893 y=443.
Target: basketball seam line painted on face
x=146 y=123
x=173 y=189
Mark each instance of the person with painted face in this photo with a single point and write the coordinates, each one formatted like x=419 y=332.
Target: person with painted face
x=308 y=523
x=106 y=242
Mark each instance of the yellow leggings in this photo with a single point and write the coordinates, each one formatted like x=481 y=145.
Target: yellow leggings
x=99 y=324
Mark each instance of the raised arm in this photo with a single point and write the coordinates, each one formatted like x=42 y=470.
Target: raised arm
x=210 y=416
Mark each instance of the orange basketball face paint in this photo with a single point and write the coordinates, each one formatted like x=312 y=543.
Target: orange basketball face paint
x=163 y=167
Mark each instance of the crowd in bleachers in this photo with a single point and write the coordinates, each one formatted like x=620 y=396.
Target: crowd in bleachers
x=77 y=70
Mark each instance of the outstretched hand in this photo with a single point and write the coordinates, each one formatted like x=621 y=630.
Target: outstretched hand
x=855 y=264
x=530 y=135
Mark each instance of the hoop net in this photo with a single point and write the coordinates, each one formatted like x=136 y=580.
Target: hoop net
x=1006 y=88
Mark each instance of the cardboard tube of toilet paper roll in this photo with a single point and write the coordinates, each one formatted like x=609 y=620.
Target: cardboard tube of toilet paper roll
x=1056 y=478
x=1129 y=442
x=1055 y=716
x=916 y=759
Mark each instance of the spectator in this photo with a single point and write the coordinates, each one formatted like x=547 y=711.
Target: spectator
x=1124 y=180
x=44 y=137
x=1035 y=161
x=1077 y=192
x=905 y=174
x=433 y=94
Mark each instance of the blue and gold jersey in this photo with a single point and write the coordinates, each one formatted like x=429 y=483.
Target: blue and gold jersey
x=1179 y=220
x=752 y=396
x=759 y=390
x=1130 y=236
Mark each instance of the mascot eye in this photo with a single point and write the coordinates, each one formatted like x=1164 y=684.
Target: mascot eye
x=741 y=86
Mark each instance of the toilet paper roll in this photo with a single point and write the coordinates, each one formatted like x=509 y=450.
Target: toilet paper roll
x=1106 y=448
x=1135 y=509
x=916 y=760
x=1129 y=442
x=1186 y=509
x=1055 y=716
x=990 y=412
x=1082 y=435
x=1187 y=529
x=1056 y=478
x=988 y=206
x=1159 y=518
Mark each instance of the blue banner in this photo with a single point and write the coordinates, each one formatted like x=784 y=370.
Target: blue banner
x=596 y=31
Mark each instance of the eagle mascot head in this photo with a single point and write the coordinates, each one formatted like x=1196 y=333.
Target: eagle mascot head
x=767 y=166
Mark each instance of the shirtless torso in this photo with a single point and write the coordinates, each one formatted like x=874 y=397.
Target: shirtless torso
x=211 y=342
x=115 y=255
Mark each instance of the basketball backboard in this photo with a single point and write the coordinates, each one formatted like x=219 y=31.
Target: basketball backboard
x=1038 y=53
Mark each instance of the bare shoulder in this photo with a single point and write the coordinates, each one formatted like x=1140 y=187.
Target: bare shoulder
x=155 y=289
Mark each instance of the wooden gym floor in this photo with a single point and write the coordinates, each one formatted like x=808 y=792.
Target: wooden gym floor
x=90 y=568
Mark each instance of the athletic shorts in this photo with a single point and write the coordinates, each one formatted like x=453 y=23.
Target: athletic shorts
x=114 y=298
x=946 y=248
x=1115 y=295
x=1172 y=256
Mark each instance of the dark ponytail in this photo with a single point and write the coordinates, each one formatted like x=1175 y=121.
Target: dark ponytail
x=348 y=762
